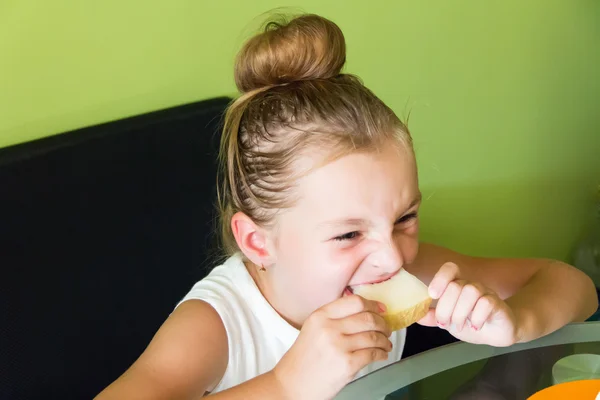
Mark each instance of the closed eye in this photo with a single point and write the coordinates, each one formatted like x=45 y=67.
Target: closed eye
x=347 y=236
x=406 y=218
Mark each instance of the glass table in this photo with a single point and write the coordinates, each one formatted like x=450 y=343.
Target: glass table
x=462 y=371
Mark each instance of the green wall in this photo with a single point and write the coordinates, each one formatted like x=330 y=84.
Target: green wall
x=503 y=95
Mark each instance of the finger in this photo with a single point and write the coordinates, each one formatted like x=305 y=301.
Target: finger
x=447 y=303
x=483 y=310
x=363 y=322
x=363 y=357
x=447 y=273
x=428 y=319
x=365 y=340
x=349 y=305
x=469 y=296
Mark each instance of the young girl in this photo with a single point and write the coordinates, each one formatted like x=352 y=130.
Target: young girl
x=319 y=194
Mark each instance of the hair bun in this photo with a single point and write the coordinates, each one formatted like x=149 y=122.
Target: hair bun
x=307 y=47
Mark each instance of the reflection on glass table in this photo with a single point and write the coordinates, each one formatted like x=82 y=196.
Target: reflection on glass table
x=464 y=371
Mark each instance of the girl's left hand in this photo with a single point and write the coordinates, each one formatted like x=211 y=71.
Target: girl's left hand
x=469 y=311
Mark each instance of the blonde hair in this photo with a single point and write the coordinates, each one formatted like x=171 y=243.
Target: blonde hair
x=294 y=100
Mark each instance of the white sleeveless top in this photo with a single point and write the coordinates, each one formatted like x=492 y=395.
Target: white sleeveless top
x=257 y=335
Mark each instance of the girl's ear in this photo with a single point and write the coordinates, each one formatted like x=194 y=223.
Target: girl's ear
x=251 y=239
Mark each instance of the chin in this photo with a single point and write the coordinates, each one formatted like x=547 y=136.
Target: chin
x=323 y=301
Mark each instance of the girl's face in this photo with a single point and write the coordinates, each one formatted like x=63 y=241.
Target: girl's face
x=355 y=222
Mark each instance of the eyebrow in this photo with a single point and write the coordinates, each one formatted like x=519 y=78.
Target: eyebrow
x=416 y=201
x=352 y=222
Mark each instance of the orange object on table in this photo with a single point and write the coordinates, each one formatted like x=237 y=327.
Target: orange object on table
x=580 y=390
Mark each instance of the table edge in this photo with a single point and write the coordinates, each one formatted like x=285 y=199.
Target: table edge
x=384 y=381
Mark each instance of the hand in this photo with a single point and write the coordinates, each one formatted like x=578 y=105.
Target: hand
x=335 y=343
x=469 y=311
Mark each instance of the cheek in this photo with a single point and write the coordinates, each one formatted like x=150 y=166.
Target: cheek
x=410 y=243
x=320 y=270
x=347 y=261
x=300 y=255
x=333 y=266
x=314 y=270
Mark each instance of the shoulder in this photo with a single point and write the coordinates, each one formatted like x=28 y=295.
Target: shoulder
x=220 y=288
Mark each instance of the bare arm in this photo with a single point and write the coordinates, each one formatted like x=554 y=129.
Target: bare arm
x=543 y=294
x=557 y=294
x=187 y=357
x=263 y=387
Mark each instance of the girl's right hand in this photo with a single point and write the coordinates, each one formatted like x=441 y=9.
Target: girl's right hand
x=335 y=343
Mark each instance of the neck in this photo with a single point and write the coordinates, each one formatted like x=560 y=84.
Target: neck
x=263 y=281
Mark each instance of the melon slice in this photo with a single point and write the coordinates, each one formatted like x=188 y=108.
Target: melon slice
x=405 y=296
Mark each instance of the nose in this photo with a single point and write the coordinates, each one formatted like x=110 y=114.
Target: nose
x=388 y=258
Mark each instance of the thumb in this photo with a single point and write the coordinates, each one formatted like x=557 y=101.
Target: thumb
x=429 y=318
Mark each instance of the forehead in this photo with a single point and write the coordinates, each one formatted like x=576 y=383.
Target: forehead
x=360 y=185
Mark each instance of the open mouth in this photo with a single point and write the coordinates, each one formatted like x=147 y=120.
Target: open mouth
x=350 y=289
